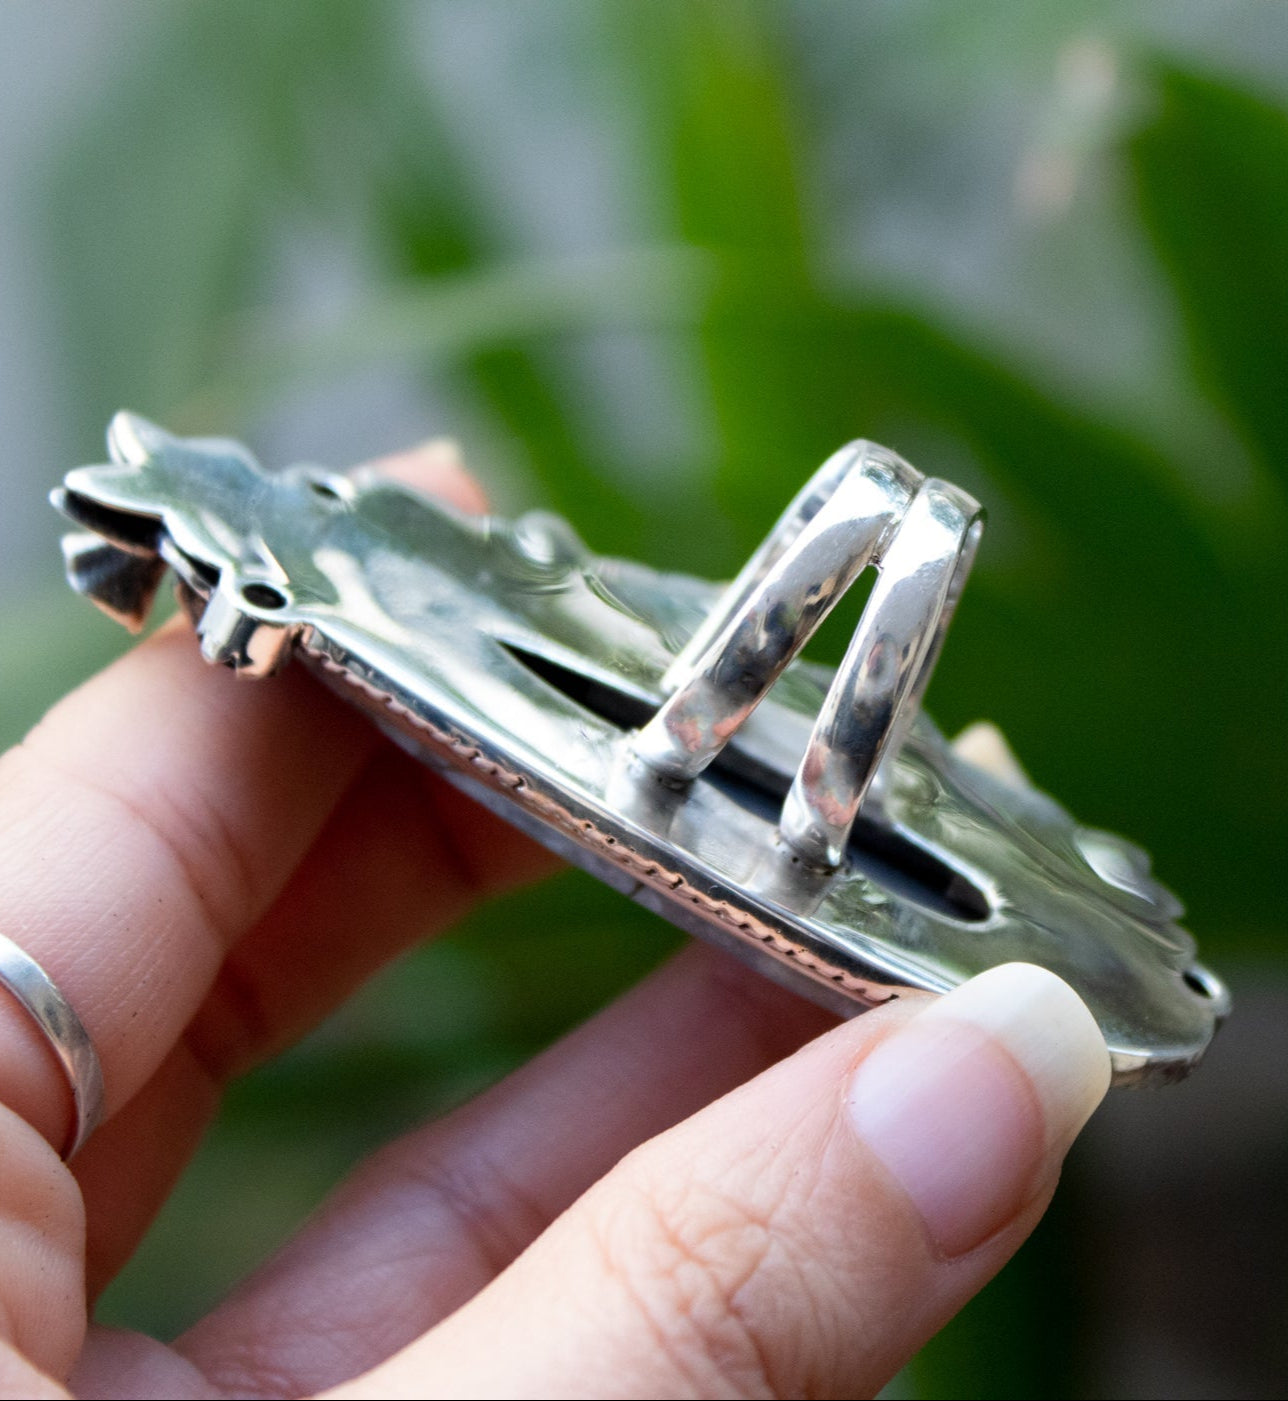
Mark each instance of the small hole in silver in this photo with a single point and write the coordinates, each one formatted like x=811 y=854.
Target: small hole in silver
x=264 y=596
x=1196 y=982
x=323 y=489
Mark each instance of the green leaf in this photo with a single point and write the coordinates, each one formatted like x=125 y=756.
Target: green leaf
x=1211 y=176
x=161 y=211
x=452 y=318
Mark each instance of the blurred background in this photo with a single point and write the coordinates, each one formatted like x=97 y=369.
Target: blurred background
x=650 y=263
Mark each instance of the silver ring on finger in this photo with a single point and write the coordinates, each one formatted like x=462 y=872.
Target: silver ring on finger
x=65 y=1033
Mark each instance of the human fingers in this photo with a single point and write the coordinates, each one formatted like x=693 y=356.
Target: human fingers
x=145 y=825
x=132 y=853
x=985 y=746
x=804 y=1235
x=41 y=1314
x=436 y=467
x=403 y=856
x=434 y=1217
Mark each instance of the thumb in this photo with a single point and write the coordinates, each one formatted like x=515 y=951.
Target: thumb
x=804 y=1235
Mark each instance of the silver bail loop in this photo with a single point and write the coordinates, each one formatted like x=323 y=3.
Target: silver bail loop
x=887 y=666
x=865 y=506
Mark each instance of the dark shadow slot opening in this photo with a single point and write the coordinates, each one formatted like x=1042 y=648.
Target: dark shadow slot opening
x=119 y=527
x=887 y=857
x=1194 y=980
x=198 y=574
x=625 y=711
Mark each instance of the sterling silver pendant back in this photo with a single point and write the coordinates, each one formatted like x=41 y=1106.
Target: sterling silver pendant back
x=663 y=732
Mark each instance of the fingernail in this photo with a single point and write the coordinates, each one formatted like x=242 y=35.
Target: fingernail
x=445 y=452
x=985 y=746
x=972 y=1105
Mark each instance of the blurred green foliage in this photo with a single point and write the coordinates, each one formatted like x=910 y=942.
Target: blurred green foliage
x=1126 y=627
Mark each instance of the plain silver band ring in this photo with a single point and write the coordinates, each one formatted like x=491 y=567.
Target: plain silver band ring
x=64 y=1031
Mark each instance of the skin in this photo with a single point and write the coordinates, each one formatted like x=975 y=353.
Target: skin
x=631 y=1214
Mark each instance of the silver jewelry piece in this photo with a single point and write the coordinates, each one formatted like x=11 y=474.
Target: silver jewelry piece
x=65 y=1032
x=664 y=732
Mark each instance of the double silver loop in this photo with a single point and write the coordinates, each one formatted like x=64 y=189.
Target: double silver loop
x=865 y=506
x=65 y=1033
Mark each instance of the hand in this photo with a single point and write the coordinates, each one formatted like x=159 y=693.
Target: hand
x=710 y=1189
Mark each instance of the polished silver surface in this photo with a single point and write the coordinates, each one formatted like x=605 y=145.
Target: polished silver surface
x=654 y=728
x=884 y=673
x=65 y=1033
x=829 y=534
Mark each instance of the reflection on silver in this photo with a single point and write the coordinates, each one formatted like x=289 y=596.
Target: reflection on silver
x=869 y=707
x=664 y=733
x=829 y=534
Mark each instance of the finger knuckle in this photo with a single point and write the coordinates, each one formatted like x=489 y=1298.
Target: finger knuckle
x=692 y=1261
